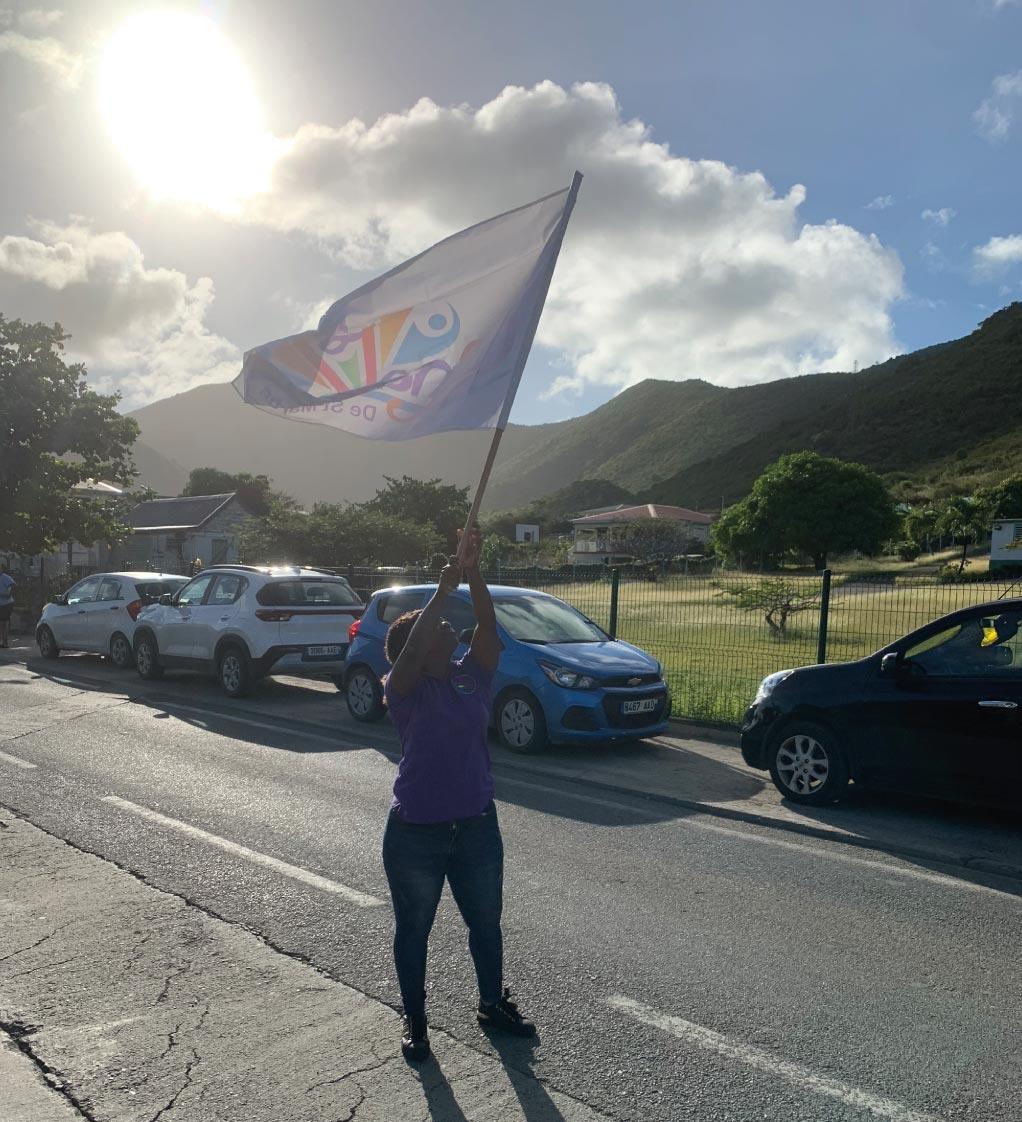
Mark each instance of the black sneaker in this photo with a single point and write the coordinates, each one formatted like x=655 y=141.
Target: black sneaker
x=415 y=1038
x=504 y=1015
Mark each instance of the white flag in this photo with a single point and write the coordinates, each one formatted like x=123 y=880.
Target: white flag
x=438 y=343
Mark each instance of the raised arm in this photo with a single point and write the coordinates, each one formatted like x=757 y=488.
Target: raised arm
x=486 y=646
x=408 y=667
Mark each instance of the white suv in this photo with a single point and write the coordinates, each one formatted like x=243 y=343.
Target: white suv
x=242 y=622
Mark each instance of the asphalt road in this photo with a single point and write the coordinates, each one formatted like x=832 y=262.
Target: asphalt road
x=679 y=966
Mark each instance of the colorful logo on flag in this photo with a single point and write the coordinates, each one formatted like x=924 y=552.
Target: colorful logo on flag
x=400 y=353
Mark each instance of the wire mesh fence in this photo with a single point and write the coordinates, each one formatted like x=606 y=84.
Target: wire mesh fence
x=711 y=632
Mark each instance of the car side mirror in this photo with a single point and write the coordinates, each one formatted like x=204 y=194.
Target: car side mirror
x=61 y=599
x=892 y=665
x=466 y=635
x=168 y=599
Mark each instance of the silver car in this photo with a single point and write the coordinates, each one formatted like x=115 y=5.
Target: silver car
x=98 y=614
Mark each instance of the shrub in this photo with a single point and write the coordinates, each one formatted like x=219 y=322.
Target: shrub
x=907 y=551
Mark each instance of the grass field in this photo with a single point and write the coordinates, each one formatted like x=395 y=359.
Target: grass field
x=715 y=655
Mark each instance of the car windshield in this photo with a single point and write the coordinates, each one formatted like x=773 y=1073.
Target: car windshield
x=311 y=592
x=543 y=619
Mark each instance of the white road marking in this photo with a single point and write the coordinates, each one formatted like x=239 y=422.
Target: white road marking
x=802 y=1077
x=803 y=848
x=17 y=763
x=362 y=899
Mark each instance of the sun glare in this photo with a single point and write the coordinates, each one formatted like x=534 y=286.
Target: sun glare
x=181 y=107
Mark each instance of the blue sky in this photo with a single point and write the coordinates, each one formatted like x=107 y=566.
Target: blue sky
x=682 y=261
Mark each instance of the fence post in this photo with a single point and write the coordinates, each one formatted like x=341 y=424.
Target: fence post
x=615 y=576
x=821 y=641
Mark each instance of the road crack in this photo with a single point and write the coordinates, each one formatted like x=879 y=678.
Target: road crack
x=39 y=942
x=350 y=1074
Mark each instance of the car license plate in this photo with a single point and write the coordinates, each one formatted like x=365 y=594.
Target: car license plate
x=322 y=652
x=646 y=705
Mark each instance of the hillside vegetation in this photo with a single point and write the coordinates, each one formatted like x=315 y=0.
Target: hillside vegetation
x=942 y=420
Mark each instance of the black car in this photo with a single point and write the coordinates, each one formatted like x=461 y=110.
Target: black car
x=938 y=712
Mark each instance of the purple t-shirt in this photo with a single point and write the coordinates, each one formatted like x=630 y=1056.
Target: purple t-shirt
x=445 y=763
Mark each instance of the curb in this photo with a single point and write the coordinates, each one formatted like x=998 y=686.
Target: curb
x=954 y=860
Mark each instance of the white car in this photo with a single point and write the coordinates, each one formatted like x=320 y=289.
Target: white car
x=100 y=614
x=243 y=622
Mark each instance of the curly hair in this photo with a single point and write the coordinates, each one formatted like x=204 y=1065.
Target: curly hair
x=397 y=634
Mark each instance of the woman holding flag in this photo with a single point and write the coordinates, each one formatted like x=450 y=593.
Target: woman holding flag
x=437 y=344
x=443 y=823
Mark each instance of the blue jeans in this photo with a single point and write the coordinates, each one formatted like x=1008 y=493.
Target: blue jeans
x=469 y=853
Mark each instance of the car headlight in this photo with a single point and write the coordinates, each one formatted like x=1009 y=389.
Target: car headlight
x=770 y=683
x=566 y=677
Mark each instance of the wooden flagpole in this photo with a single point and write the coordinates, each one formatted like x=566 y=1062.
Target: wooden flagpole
x=473 y=512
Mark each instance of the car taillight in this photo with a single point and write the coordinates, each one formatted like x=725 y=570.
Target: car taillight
x=353 y=630
x=134 y=608
x=273 y=615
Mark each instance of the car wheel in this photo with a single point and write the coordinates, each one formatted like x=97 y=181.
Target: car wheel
x=47 y=644
x=234 y=673
x=808 y=765
x=520 y=721
x=147 y=658
x=120 y=652
x=363 y=695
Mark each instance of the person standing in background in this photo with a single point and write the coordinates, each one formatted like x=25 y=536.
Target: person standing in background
x=7 y=587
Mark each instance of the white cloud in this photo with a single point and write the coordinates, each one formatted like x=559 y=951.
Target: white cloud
x=997 y=254
x=51 y=56
x=996 y=115
x=672 y=268
x=939 y=217
x=881 y=202
x=141 y=330
x=933 y=258
x=39 y=19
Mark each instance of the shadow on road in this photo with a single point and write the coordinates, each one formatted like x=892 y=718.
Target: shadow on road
x=440 y=1100
x=977 y=839
x=968 y=843
x=553 y=782
x=518 y=1055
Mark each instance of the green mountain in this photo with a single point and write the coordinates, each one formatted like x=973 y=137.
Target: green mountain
x=944 y=419
x=947 y=418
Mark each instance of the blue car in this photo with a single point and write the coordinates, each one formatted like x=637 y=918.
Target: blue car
x=561 y=678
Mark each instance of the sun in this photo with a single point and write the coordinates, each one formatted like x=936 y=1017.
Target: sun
x=180 y=106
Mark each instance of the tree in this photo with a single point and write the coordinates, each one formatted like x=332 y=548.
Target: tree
x=332 y=534
x=778 y=599
x=254 y=491
x=494 y=549
x=965 y=520
x=809 y=505
x=1003 y=500
x=440 y=506
x=54 y=434
x=919 y=526
x=650 y=539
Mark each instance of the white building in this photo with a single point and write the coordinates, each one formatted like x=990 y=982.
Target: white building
x=1006 y=544
x=594 y=532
